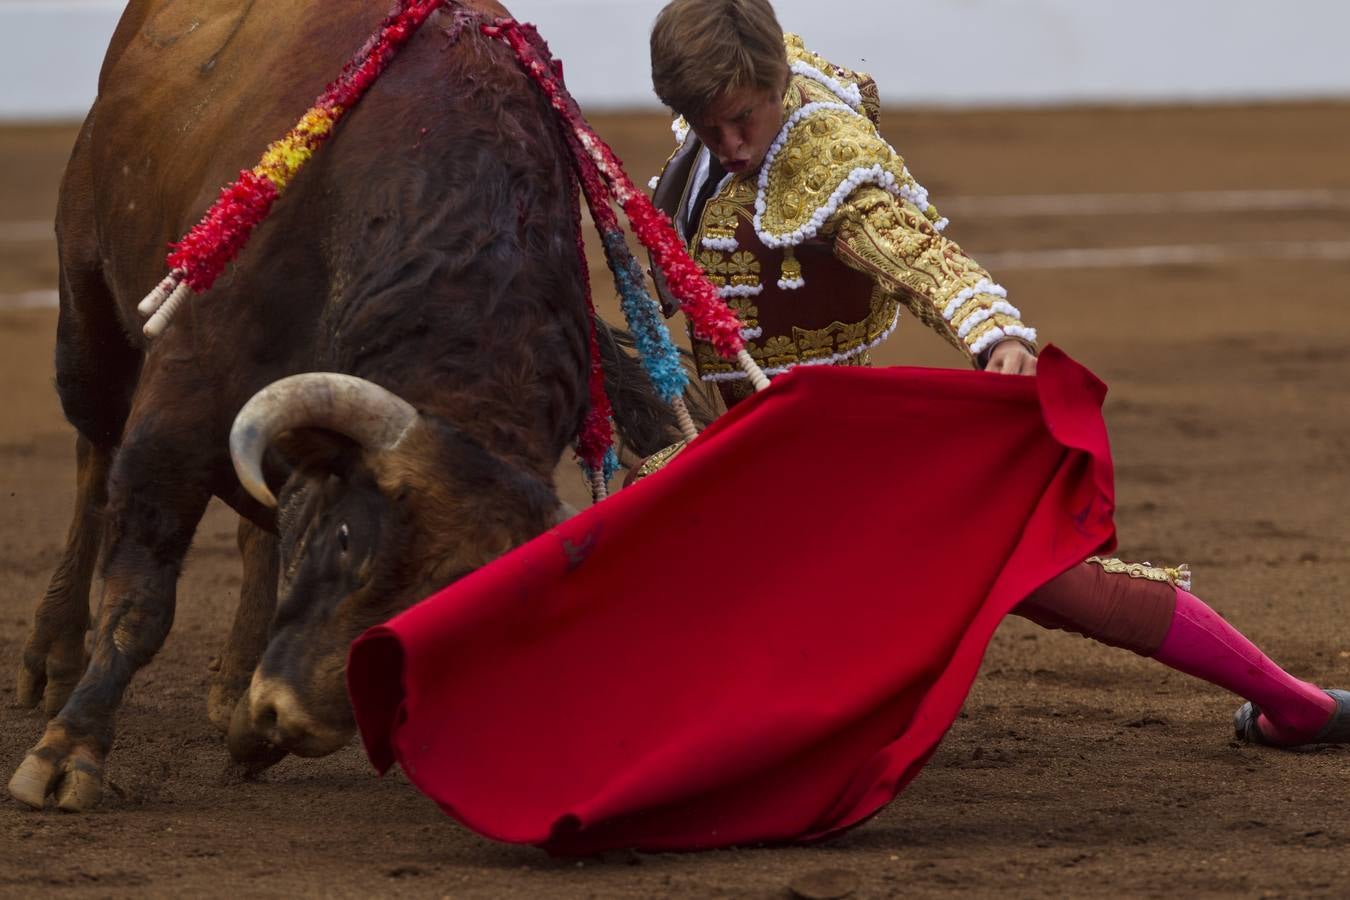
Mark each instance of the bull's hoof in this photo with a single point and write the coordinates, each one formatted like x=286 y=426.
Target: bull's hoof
x=60 y=767
x=49 y=669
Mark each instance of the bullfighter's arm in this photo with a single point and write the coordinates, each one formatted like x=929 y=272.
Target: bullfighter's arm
x=891 y=241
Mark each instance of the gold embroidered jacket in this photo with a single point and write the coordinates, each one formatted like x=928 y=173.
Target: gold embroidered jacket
x=820 y=248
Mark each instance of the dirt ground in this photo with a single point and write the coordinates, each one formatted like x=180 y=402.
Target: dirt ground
x=1075 y=770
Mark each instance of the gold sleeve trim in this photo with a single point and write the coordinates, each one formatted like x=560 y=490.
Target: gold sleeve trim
x=898 y=247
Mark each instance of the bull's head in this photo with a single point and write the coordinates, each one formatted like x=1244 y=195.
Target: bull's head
x=379 y=507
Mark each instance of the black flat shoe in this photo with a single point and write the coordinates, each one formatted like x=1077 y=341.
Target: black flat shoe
x=1336 y=731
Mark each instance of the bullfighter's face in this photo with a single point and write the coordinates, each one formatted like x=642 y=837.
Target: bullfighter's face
x=739 y=127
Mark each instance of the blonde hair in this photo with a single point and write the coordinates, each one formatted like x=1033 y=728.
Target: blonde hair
x=704 y=48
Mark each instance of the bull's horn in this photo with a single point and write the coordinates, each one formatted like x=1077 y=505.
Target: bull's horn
x=363 y=411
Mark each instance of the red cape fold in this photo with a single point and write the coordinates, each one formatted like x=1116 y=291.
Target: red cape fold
x=764 y=641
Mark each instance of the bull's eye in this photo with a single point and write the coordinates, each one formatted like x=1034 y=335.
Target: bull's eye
x=344 y=536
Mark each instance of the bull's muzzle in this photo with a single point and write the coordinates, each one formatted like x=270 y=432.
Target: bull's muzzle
x=272 y=712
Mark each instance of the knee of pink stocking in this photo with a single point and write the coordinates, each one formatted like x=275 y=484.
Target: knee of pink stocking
x=1200 y=643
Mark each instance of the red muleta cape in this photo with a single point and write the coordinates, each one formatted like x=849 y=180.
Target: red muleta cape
x=764 y=641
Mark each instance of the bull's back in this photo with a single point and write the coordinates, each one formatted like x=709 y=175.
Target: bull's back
x=191 y=92
x=194 y=90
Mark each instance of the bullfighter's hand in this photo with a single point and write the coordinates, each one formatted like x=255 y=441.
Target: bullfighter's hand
x=1011 y=357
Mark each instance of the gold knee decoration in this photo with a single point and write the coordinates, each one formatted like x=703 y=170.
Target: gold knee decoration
x=659 y=459
x=1177 y=576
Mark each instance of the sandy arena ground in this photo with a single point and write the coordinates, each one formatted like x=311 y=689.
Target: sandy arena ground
x=1075 y=770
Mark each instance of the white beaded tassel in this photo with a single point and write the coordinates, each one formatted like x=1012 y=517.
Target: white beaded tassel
x=599 y=490
x=752 y=370
x=686 y=421
x=155 y=299
x=165 y=313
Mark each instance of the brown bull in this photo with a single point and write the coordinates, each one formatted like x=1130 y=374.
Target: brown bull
x=427 y=252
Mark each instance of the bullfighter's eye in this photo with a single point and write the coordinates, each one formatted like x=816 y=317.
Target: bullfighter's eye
x=344 y=536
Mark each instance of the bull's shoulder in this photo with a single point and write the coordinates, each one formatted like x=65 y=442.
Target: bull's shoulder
x=210 y=59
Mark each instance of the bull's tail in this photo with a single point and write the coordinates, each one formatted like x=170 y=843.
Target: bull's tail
x=645 y=423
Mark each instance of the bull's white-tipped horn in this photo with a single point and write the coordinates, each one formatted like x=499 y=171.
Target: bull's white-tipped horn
x=362 y=410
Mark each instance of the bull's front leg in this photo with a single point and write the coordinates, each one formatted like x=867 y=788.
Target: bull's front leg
x=53 y=656
x=156 y=497
x=252 y=621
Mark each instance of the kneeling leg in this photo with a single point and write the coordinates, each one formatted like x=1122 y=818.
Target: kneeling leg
x=1181 y=631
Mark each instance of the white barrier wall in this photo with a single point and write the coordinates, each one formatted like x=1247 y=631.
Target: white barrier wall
x=923 y=52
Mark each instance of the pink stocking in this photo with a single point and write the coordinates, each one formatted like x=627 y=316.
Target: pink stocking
x=1200 y=643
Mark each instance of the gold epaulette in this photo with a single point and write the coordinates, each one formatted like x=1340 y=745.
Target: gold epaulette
x=825 y=151
x=797 y=52
x=823 y=154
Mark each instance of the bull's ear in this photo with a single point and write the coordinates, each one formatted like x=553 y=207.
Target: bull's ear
x=310 y=451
